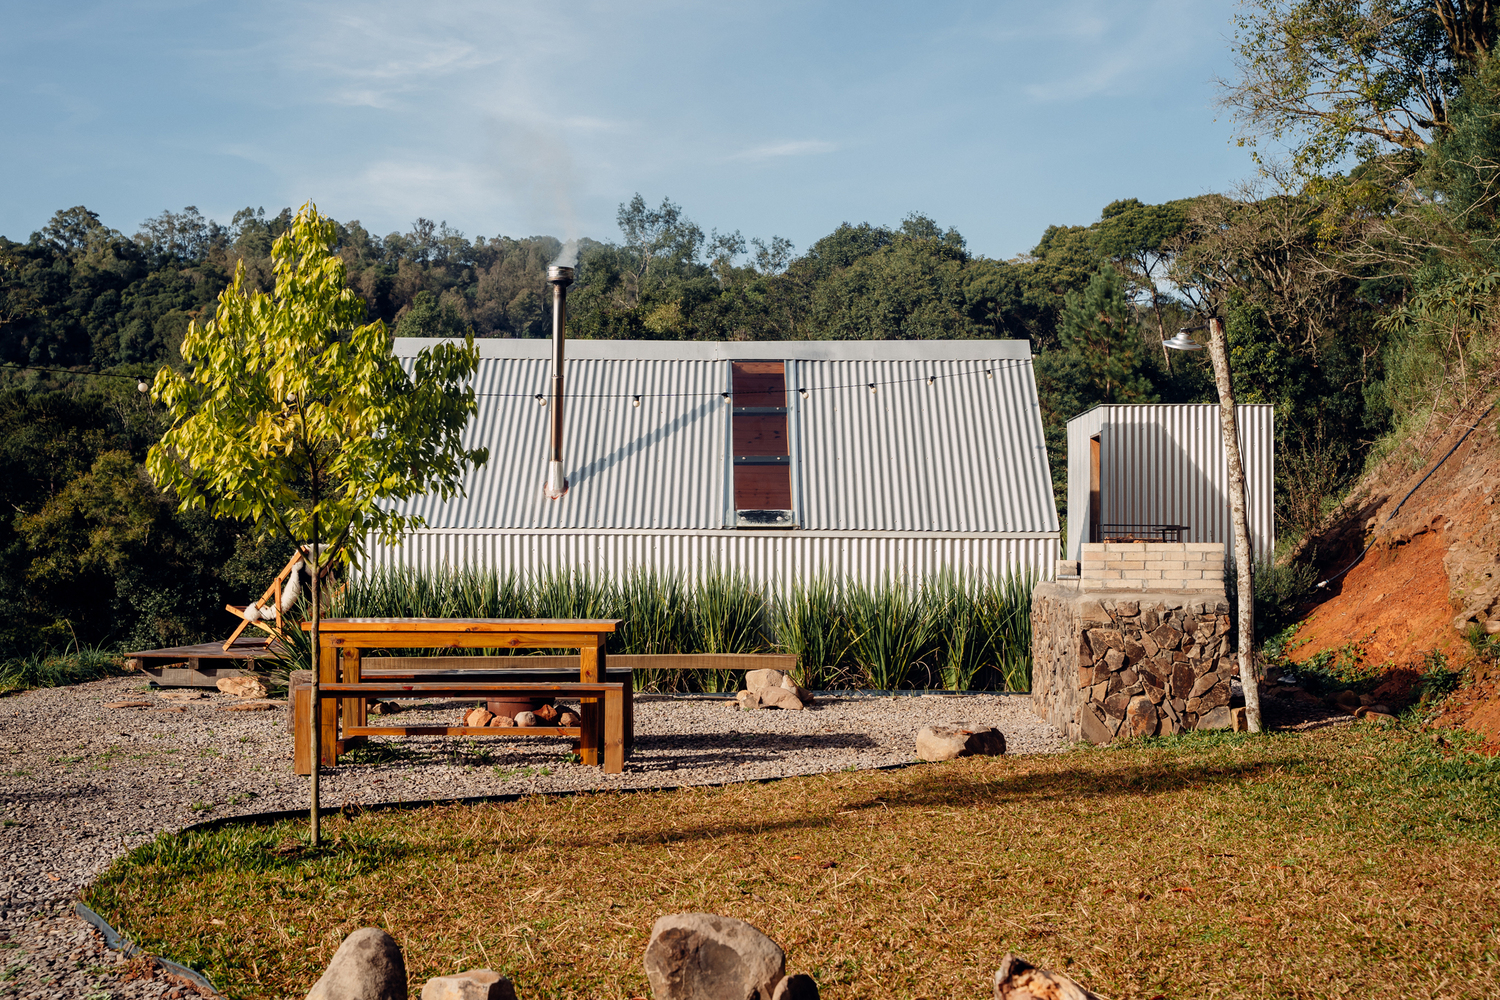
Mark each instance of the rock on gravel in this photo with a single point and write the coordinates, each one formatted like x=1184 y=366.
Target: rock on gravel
x=959 y=739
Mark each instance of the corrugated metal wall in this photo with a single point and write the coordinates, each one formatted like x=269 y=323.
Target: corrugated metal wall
x=1164 y=464
x=772 y=556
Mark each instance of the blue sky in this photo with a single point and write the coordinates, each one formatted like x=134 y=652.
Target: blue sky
x=517 y=119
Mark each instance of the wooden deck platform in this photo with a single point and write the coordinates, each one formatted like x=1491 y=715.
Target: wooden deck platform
x=202 y=665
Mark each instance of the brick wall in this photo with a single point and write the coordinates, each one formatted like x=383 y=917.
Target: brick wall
x=1154 y=566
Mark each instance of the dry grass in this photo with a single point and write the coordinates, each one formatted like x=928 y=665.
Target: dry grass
x=1350 y=863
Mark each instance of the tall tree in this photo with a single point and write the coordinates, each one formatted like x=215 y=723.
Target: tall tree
x=296 y=416
x=1098 y=330
x=1342 y=77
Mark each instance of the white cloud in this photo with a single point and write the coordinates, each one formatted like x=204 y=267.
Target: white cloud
x=773 y=150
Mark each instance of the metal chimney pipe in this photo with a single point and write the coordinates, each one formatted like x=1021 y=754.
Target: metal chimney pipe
x=561 y=278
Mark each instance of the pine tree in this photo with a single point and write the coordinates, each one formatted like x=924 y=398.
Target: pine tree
x=1097 y=329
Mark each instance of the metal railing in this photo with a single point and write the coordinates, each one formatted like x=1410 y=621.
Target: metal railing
x=1137 y=532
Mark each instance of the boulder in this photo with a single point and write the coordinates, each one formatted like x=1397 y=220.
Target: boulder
x=569 y=720
x=757 y=680
x=527 y=719
x=1239 y=720
x=798 y=986
x=385 y=708
x=959 y=740
x=703 y=956
x=478 y=718
x=367 y=966
x=748 y=700
x=780 y=697
x=803 y=695
x=502 y=722
x=476 y=984
x=547 y=713
x=181 y=695
x=241 y=687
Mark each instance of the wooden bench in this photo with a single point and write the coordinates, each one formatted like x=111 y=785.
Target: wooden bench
x=601 y=737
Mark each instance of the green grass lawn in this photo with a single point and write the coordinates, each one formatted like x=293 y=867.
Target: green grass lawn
x=1353 y=862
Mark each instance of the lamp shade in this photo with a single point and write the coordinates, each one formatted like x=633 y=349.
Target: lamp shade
x=1182 y=342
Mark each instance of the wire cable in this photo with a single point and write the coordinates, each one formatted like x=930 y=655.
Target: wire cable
x=64 y=371
x=930 y=379
x=1324 y=583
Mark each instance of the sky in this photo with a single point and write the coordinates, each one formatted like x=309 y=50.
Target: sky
x=501 y=118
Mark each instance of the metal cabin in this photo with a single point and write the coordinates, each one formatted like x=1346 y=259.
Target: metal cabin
x=1157 y=472
x=864 y=460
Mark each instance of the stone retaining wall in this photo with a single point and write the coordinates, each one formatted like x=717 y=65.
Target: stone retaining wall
x=1108 y=665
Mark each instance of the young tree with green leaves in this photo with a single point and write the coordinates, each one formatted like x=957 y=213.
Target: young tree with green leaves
x=293 y=414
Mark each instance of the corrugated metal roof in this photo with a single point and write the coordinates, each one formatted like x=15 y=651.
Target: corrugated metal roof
x=964 y=453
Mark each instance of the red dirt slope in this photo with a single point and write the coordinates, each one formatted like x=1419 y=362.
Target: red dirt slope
x=1433 y=569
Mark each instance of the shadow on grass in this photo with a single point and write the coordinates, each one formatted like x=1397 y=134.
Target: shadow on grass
x=937 y=787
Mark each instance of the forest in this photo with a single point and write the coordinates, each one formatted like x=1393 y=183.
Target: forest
x=1357 y=277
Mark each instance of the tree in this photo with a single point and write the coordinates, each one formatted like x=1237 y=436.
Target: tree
x=1096 y=329
x=296 y=417
x=1137 y=238
x=1357 y=77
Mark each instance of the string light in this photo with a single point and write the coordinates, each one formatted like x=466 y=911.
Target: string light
x=804 y=391
x=141 y=382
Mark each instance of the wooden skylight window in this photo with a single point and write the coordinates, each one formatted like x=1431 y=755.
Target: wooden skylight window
x=759 y=445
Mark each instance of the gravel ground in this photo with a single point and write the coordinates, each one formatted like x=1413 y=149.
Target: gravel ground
x=81 y=784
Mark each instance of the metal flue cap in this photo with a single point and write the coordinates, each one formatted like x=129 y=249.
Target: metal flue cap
x=560 y=275
x=1182 y=342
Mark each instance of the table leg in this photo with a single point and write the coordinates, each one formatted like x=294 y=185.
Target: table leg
x=591 y=671
x=614 y=731
x=355 y=710
x=328 y=708
x=302 y=723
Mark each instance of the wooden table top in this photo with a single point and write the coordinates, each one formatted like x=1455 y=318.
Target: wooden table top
x=497 y=626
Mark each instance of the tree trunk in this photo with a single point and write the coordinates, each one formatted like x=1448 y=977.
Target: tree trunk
x=316 y=563
x=1244 y=570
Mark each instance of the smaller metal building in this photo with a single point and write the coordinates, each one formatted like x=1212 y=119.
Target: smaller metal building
x=1134 y=469
x=863 y=460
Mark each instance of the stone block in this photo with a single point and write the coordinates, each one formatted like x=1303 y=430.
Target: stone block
x=1217 y=718
x=1091 y=722
x=1141 y=717
x=1182 y=574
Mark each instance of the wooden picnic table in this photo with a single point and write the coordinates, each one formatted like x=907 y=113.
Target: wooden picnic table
x=343 y=641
